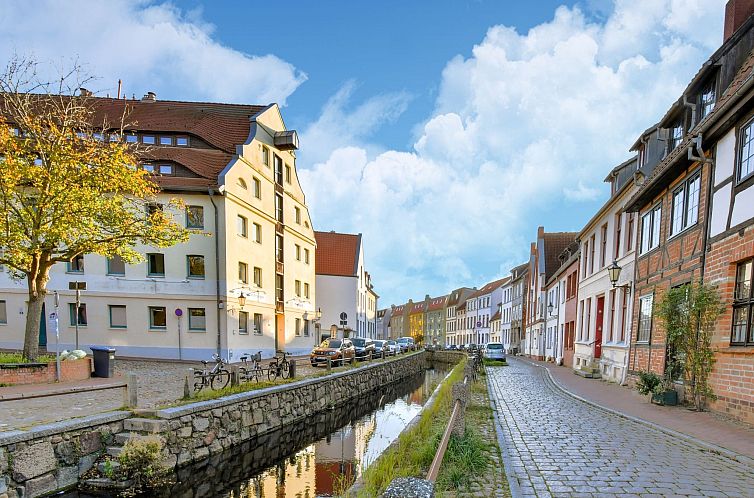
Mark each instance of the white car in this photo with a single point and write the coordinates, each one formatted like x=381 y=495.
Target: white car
x=494 y=351
x=393 y=347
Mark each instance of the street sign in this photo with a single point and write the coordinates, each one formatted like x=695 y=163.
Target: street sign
x=76 y=285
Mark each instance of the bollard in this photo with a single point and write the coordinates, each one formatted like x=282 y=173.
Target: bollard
x=233 y=376
x=292 y=371
x=329 y=364
x=131 y=395
x=383 y=353
x=460 y=392
x=187 y=391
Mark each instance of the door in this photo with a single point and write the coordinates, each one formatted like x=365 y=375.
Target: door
x=43 y=328
x=598 y=327
x=279 y=332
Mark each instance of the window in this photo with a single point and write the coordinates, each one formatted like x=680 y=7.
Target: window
x=279 y=248
x=278 y=170
x=306 y=290
x=166 y=140
x=623 y=316
x=118 y=317
x=588 y=324
x=149 y=168
x=194 y=217
x=181 y=141
x=306 y=328
x=82 y=313
x=297 y=287
x=116 y=266
x=257 y=188
x=242 y=226
x=154 y=210
x=297 y=211
x=611 y=318
x=257 y=276
x=157 y=317
x=630 y=232
x=618 y=228
x=243 y=273
x=258 y=323
x=265 y=156
x=155 y=264
x=650 y=229
x=76 y=265
x=298 y=252
x=297 y=325
x=279 y=287
x=746 y=155
x=195 y=266
x=676 y=135
x=131 y=139
x=148 y=139
x=243 y=322
x=592 y=250
x=306 y=256
x=585 y=254
x=287 y=174
x=197 y=319
x=257 y=233
x=707 y=100
x=603 y=249
x=242 y=183
x=279 y=207
x=3 y=312
x=743 y=302
x=645 y=318
x=686 y=204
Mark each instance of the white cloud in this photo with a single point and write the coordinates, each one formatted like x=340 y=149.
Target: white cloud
x=523 y=129
x=151 y=46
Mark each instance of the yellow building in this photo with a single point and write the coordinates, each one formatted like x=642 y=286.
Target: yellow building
x=416 y=320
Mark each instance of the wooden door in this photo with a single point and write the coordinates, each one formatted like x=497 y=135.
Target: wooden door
x=598 y=327
x=279 y=332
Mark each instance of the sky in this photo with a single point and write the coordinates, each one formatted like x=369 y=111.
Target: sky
x=444 y=131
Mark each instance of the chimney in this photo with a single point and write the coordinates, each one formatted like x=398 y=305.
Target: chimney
x=736 y=13
x=84 y=92
x=149 y=97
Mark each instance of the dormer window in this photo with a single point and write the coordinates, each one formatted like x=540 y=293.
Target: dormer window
x=165 y=140
x=148 y=139
x=149 y=168
x=132 y=139
x=707 y=100
x=676 y=135
x=181 y=141
x=166 y=169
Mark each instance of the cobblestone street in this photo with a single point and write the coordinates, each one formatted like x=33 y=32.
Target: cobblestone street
x=556 y=445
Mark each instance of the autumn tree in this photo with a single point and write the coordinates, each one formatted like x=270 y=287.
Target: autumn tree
x=69 y=185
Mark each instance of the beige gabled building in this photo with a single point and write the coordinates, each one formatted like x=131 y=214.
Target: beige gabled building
x=244 y=283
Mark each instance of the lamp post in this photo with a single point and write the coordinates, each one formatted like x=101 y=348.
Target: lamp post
x=613 y=272
x=241 y=300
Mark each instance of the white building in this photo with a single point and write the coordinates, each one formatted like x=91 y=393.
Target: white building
x=346 y=297
x=233 y=167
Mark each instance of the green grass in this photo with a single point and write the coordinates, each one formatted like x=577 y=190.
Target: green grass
x=415 y=449
x=494 y=363
x=19 y=358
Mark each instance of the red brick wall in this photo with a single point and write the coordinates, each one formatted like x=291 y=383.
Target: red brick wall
x=674 y=262
x=69 y=370
x=732 y=378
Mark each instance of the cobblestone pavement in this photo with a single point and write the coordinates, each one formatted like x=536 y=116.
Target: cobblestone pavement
x=556 y=445
x=159 y=383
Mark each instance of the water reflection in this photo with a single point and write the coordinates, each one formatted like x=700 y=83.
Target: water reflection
x=317 y=457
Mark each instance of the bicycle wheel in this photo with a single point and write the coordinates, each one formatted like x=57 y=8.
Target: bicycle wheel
x=199 y=381
x=220 y=380
x=244 y=374
x=285 y=369
x=257 y=373
x=272 y=371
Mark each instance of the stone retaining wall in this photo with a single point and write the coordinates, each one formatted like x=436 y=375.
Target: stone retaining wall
x=54 y=456
x=41 y=373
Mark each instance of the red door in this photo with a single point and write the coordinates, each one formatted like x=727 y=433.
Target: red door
x=598 y=327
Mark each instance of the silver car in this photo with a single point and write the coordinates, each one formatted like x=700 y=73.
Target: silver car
x=494 y=351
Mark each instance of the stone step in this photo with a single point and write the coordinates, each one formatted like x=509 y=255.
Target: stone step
x=149 y=425
x=114 y=465
x=123 y=437
x=588 y=374
x=114 y=451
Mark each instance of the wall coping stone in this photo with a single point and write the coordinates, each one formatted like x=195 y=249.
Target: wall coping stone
x=44 y=430
x=201 y=406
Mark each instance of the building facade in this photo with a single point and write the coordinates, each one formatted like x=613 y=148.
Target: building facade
x=434 y=322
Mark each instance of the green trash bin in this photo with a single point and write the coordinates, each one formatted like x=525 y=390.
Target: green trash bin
x=104 y=361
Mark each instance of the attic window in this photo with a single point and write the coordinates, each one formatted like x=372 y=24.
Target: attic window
x=676 y=135
x=181 y=141
x=165 y=140
x=148 y=139
x=707 y=99
x=166 y=169
x=132 y=139
x=149 y=168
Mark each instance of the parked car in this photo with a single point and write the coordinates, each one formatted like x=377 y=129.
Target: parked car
x=452 y=347
x=380 y=346
x=494 y=351
x=338 y=350
x=406 y=344
x=364 y=348
x=393 y=347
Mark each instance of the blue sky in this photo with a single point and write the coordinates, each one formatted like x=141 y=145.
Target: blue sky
x=444 y=131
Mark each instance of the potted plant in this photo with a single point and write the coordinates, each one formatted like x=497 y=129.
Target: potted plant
x=664 y=394
x=648 y=382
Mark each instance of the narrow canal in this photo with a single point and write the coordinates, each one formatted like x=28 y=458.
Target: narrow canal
x=317 y=457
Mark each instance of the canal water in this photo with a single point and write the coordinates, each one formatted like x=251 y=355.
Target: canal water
x=320 y=456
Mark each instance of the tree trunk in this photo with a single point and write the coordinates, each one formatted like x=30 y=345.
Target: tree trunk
x=37 y=281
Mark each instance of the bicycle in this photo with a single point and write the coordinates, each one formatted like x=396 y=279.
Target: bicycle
x=279 y=367
x=216 y=378
x=254 y=371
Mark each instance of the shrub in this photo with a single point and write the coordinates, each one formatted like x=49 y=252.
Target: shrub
x=141 y=462
x=648 y=383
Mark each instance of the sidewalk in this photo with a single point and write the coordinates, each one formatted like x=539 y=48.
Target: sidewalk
x=705 y=426
x=24 y=391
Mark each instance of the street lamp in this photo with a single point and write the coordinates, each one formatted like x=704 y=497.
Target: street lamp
x=241 y=300
x=613 y=272
x=550 y=307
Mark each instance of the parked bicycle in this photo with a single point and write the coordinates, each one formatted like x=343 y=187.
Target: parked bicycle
x=217 y=377
x=279 y=367
x=253 y=370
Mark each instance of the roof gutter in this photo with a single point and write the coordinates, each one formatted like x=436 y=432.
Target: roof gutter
x=211 y=193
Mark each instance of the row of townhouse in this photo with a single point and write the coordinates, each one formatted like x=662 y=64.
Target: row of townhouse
x=681 y=210
x=244 y=282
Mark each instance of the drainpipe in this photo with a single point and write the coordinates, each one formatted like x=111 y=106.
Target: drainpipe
x=692 y=106
x=211 y=193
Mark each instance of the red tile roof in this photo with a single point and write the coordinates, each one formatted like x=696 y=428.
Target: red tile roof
x=436 y=303
x=488 y=288
x=337 y=253
x=417 y=308
x=555 y=243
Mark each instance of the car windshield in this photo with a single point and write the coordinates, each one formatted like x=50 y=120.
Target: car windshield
x=391 y=343
x=330 y=343
x=402 y=341
x=359 y=342
x=379 y=343
x=494 y=346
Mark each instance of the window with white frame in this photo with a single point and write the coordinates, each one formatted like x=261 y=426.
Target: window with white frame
x=242 y=226
x=746 y=152
x=645 y=318
x=197 y=319
x=243 y=322
x=3 y=312
x=743 y=305
x=686 y=204
x=650 y=229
